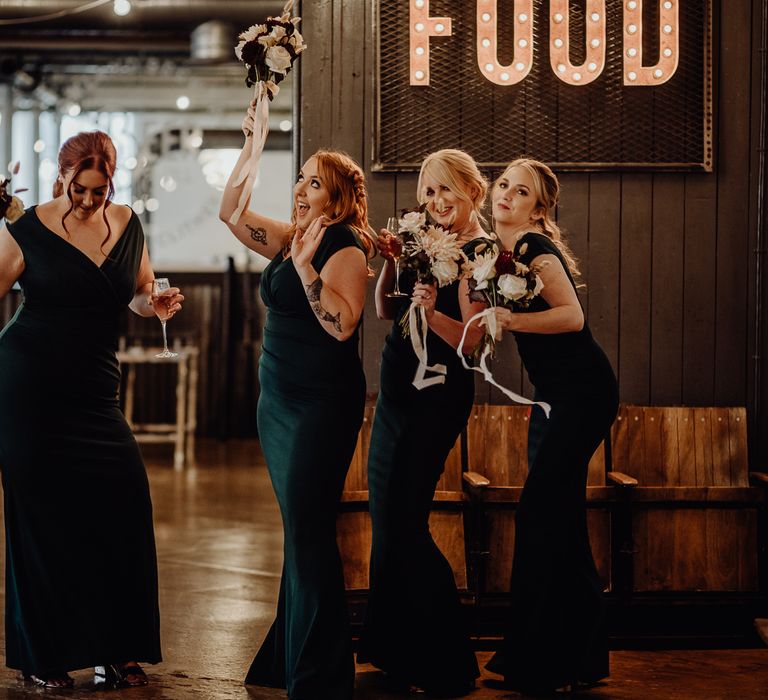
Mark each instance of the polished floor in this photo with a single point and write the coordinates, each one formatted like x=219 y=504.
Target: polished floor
x=219 y=547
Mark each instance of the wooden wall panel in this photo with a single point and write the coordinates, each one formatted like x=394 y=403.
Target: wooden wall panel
x=699 y=267
x=635 y=284
x=604 y=261
x=733 y=253
x=666 y=293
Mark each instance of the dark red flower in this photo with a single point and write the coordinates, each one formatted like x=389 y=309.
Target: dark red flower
x=505 y=263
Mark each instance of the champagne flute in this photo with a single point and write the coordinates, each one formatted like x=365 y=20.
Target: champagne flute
x=161 y=300
x=393 y=226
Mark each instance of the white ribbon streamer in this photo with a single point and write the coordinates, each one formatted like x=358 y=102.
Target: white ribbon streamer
x=420 y=380
x=250 y=170
x=488 y=317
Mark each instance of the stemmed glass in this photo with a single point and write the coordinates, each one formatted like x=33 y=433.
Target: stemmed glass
x=393 y=226
x=161 y=300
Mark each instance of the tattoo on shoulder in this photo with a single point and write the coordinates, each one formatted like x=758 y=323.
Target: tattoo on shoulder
x=313 y=296
x=258 y=234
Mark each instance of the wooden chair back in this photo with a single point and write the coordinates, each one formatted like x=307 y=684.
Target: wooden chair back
x=497 y=446
x=681 y=446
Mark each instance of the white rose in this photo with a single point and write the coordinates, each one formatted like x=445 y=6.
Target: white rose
x=512 y=287
x=484 y=269
x=412 y=221
x=538 y=286
x=253 y=32
x=278 y=59
x=15 y=210
x=445 y=271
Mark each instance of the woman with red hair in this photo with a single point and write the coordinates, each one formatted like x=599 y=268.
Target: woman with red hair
x=312 y=395
x=81 y=571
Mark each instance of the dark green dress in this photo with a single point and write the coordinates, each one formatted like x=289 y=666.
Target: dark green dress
x=81 y=572
x=309 y=415
x=415 y=627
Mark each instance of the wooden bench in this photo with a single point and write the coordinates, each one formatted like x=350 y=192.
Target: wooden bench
x=697 y=543
x=497 y=454
x=354 y=524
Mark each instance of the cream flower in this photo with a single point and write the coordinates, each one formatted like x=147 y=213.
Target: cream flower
x=274 y=37
x=483 y=268
x=512 y=287
x=445 y=271
x=278 y=59
x=15 y=210
x=538 y=287
x=412 y=221
x=297 y=41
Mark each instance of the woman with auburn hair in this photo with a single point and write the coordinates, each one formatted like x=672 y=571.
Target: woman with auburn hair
x=81 y=571
x=414 y=627
x=555 y=637
x=312 y=395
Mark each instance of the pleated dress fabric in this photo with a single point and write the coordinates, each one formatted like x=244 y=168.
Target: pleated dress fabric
x=81 y=571
x=310 y=410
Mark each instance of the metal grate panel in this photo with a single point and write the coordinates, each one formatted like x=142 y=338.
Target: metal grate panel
x=604 y=125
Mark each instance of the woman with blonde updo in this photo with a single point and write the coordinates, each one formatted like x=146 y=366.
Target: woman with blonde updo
x=555 y=637
x=81 y=570
x=312 y=395
x=414 y=628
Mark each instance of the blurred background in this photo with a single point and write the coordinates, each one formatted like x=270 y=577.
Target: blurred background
x=161 y=77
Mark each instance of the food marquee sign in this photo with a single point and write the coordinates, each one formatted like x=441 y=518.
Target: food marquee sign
x=599 y=84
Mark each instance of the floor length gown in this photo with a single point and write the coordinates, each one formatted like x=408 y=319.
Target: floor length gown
x=555 y=633
x=81 y=571
x=415 y=628
x=309 y=414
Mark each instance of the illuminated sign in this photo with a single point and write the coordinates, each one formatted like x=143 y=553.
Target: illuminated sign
x=596 y=84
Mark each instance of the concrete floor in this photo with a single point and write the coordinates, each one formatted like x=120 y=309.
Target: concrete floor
x=219 y=546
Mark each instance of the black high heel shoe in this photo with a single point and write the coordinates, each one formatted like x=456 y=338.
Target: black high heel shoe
x=129 y=675
x=59 y=680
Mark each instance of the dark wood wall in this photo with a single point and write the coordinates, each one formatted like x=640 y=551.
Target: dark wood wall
x=668 y=258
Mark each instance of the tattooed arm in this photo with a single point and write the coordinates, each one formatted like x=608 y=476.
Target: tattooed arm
x=259 y=233
x=337 y=294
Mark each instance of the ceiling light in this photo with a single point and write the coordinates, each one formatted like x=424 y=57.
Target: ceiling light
x=121 y=7
x=182 y=102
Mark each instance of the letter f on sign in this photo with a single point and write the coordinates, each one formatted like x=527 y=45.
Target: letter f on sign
x=422 y=26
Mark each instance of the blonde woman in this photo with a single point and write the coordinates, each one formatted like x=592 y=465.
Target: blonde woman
x=312 y=394
x=555 y=638
x=414 y=628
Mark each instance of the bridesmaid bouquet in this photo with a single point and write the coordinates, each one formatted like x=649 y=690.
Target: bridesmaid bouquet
x=498 y=278
x=429 y=250
x=435 y=256
x=268 y=51
x=11 y=207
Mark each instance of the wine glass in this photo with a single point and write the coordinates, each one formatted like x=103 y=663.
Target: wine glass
x=393 y=226
x=161 y=300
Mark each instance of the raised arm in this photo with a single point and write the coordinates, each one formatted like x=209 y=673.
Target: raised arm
x=448 y=328
x=564 y=315
x=259 y=233
x=337 y=294
x=11 y=261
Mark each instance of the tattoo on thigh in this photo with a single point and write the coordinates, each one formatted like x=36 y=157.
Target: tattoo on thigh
x=313 y=295
x=258 y=234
